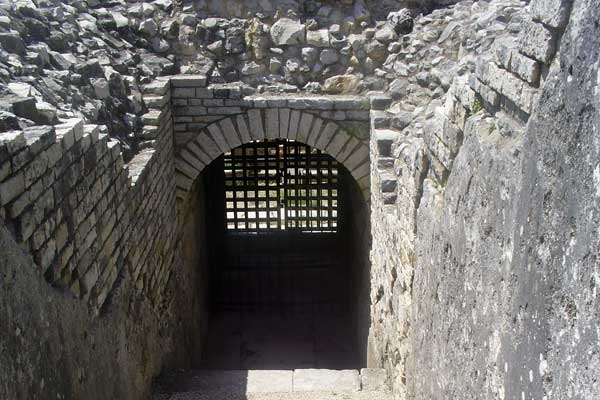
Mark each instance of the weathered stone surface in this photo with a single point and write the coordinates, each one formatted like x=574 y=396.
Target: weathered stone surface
x=538 y=42
x=341 y=84
x=12 y=42
x=256 y=124
x=376 y=50
x=386 y=34
x=401 y=21
x=329 y=56
x=373 y=379
x=554 y=13
x=515 y=90
x=313 y=380
x=318 y=38
x=288 y=32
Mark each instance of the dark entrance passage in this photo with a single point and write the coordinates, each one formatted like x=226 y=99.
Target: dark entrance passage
x=286 y=272
x=288 y=266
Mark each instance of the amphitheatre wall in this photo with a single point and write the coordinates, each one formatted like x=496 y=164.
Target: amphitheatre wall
x=469 y=128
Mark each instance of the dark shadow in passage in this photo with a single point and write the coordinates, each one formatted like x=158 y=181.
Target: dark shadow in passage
x=268 y=341
x=287 y=300
x=200 y=385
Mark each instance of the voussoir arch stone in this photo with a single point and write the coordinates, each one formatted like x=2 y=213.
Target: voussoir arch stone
x=233 y=131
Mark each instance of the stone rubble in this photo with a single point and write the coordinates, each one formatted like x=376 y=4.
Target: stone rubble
x=62 y=60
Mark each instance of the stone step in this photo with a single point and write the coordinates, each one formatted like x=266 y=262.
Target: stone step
x=278 y=384
x=283 y=396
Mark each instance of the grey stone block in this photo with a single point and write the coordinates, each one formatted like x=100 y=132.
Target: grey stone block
x=205 y=93
x=156 y=87
x=224 y=110
x=243 y=129
x=458 y=112
x=276 y=102
x=538 y=42
x=315 y=380
x=11 y=188
x=257 y=130
x=358 y=115
x=554 y=13
x=192 y=160
x=327 y=135
x=336 y=145
x=348 y=149
x=528 y=69
x=438 y=149
x=157 y=101
x=188 y=81
x=10 y=143
x=294 y=124
x=272 y=122
x=304 y=128
x=183 y=92
x=39 y=138
x=231 y=135
x=357 y=158
x=315 y=131
x=152 y=117
x=218 y=137
x=384 y=138
x=284 y=122
x=446 y=131
x=380 y=101
x=5 y=170
x=198 y=152
x=213 y=102
x=351 y=103
x=182 y=181
x=208 y=145
x=185 y=168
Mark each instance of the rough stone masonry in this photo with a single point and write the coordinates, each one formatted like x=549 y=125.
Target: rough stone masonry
x=471 y=128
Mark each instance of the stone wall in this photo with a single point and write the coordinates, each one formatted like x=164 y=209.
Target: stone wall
x=335 y=10
x=476 y=218
x=214 y=119
x=104 y=235
x=354 y=219
x=67 y=196
x=321 y=9
x=90 y=60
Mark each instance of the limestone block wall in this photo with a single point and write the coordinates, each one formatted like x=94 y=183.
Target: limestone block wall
x=461 y=302
x=212 y=120
x=67 y=195
x=92 y=271
x=325 y=8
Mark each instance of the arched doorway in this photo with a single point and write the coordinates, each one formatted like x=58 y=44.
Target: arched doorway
x=286 y=266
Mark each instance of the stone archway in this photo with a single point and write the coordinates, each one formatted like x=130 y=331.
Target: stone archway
x=272 y=123
x=342 y=253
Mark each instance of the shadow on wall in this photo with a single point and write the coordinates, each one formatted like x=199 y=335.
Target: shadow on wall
x=217 y=385
x=355 y=225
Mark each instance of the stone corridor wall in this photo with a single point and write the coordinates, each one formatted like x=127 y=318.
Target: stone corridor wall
x=84 y=232
x=68 y=197
x=484 y=274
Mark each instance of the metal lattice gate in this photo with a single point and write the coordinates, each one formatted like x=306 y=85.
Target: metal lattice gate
x=280 y=245
x=277 y=185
